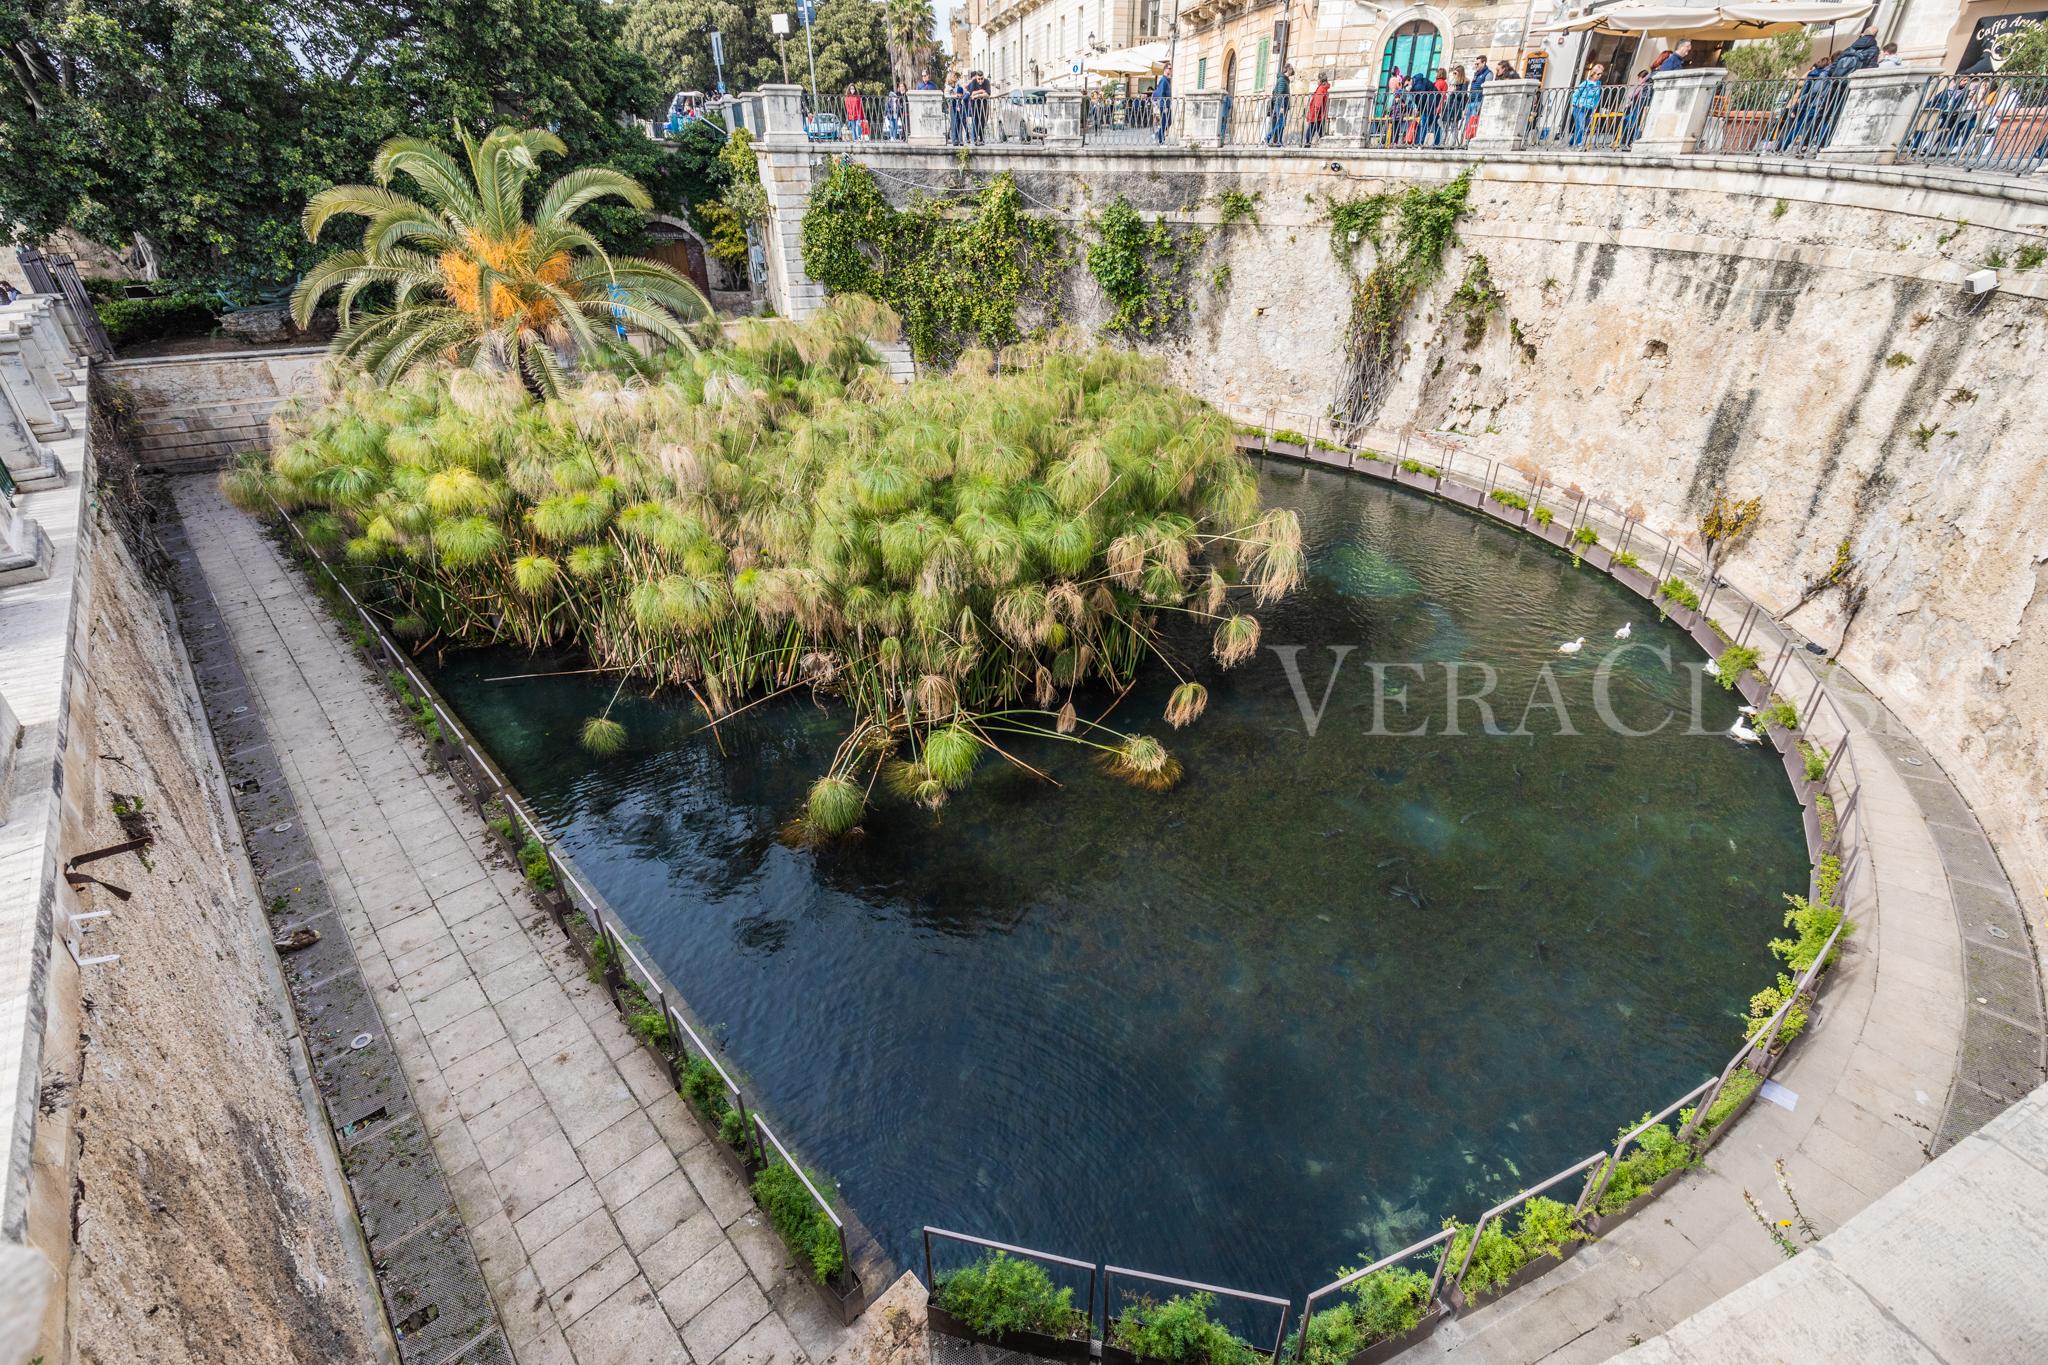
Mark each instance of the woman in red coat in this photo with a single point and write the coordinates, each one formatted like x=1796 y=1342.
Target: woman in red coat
x=1318 y=106
x=854 y=118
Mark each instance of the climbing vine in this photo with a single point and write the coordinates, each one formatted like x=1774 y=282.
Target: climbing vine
x=1476 y=299
x=1407 y=260
x=740 y=203
x=955 y=270
x=1144 y=270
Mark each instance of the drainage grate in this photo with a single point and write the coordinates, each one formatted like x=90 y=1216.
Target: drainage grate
x=433 y=1291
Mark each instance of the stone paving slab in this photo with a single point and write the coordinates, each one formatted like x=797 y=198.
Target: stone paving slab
x=607 y=1232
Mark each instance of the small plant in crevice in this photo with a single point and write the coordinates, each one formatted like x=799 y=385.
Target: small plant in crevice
x=1994 y=259
x=1476 y=300
x=1774 y=1226
x=1960 y=395
x=1924 y=434
x=1236 y=206
x=2031 y=256
x=1806 y=1228
x=1897 y=360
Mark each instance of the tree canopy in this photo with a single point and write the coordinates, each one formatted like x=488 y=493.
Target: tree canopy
x=847 y=38
x=195 y=129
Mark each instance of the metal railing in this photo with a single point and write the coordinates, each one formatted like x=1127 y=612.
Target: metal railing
x=59 y=275
x=1263 y=120
x=1420 y=120
x=931 y=1274
x=1588 y=118
x=605 y=923
x=1110 y=1273
x=1132 y=121
x=1507 y=1205
x=1795 y=116
x=1339 y=1285
x=1980 y=123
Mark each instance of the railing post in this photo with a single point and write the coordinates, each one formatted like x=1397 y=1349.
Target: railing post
x=1878 y=108
x=1504 y=111
x=1679 y=103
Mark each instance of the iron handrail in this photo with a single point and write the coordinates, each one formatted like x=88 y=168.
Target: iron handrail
x=1597 y=1186
x=1110 y=1272
x=1497 y=1210
x=931 y=1282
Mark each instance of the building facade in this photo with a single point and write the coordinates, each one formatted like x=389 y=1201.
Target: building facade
x=1024 y=43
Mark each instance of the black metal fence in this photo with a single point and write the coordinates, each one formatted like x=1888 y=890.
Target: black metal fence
x=59 y=275
x=1980 y=123
x=1796 y=116
x=1589 y=118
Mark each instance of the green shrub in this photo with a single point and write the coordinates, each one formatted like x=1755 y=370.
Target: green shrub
x=1627 y=559
x=732 y=1128
x=1384 y=1304
x=1545 y=1227
x=1417 y=467
x=1543 y=515
x=1766 y=1002
x=1740 y=1085
x=1812 y=922
x=1508 y=498
x=1290 y=438
x=1680 y=591
x=1001 y=1294
x=1585 y=535
x=1734 y=659
x=153 y=319
x=780 y=1192
x=1815 y=759
x=1178 y=1332
x=1778 y=715
x=651 y=1025
x=1657 y=1153
x=1494 y=1258
x=533 y=861
x=704 y=1088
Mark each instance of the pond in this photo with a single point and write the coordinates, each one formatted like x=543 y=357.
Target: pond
x=1340 y=982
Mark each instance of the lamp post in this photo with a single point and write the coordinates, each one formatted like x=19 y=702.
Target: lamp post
x=805 y=10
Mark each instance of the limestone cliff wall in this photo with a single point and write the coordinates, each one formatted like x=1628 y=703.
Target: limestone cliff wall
x=1798 y=333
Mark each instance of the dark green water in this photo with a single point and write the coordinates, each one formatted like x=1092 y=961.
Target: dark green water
x=1284 y=1017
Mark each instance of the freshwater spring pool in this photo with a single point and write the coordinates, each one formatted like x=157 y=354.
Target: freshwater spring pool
x=1278 y=1020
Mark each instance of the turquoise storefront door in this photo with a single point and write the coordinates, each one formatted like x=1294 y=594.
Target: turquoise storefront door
x=1415 y=46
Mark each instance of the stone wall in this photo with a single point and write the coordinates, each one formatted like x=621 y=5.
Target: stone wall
x=1669 y=327
x=194 y=412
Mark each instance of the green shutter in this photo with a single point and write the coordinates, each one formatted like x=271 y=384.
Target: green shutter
x=1202 y=74
x=1265 y=55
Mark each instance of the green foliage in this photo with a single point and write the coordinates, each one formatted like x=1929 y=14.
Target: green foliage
x=1509 y=498
x=1142 y=268
x=650 y=1024
x=1814 y=759
x=533 y=862
x=732 y=1128
x=1812 y=923
x=2026 y=50
x=1476 y=299
x=1384 y=1304
x=1728 y=668
x=1897 y=360
x=777 y=513
x=1001 y=1294
x=1178 y=1332
x=780 y=1192
x=167 y=315
x=1418 y=467
x=1543 y=516
x=1407 y=261
x=1656 y=1153
x=956 y=281
x=1544 y=1227
x=1586 y=535
x=1236 y=206
x=482 y=282
x=1740 y=1085
x=1627 y=559
x=1769 y=59
x=705 y=1090
x=1680 y=591
x=2031 y=256
x=1766 y=1003
x=203 y=127
x=1779 y=714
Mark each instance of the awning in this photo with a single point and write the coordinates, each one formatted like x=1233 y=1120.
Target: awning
x=1142 y=60
x=1719 y=23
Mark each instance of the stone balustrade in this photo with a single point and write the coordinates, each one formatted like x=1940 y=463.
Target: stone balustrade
x=42 y=407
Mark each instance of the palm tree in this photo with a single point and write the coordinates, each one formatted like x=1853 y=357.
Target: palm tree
x=907 y=25
x=472 y=280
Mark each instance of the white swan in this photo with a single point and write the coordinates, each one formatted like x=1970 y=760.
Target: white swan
x=1746 y=710
x=1743 y=734
x=1711 y=669
x=1624 y=632
x=1572 y=646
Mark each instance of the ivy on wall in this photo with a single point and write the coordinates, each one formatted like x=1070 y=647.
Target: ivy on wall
x=955 y=270
x=1143 y=269
x=1407 y=259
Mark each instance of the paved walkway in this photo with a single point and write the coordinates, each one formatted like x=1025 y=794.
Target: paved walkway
x=608 y=1230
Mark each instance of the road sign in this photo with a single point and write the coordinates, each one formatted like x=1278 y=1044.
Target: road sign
x=717 y=47
x=778 y=24
x=807 y=11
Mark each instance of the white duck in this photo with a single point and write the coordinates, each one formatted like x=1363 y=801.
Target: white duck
x=1746 y=710
x=1572 y=646
x=1625 y=631
x=1742 y=734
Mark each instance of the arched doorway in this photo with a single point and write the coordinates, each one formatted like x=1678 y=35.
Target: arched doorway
x=1230 y=71
x=1416 y=45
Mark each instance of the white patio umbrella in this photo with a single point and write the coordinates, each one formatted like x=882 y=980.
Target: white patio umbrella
x=1714 y=23
x=1142 y=60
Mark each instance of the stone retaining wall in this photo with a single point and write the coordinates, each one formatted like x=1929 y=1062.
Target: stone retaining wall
x=200 y=411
